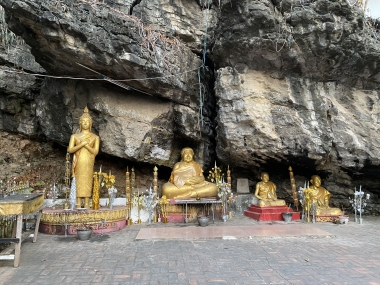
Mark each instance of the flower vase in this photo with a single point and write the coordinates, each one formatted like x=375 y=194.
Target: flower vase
x=84 y=234
x=203 y=221
x=287 y=217
x=343 y=220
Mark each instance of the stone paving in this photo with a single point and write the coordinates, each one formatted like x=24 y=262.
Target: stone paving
x=349 y=254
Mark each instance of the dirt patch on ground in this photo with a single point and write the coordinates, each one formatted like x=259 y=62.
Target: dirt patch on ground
x=22 y=160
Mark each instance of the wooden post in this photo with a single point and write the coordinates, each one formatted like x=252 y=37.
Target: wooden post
x=37 y=225
x=18 y=245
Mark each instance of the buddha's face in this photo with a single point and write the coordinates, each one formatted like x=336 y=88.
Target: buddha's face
x=316 y=181
x=265 y=177
x=85 y=124
x=187 y=156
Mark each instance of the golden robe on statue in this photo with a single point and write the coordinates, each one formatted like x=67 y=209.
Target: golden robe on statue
x=187 y=180
x=84 y=147
x=180 y=175
x=83 y=164
x=266 y=193
x=320 y=196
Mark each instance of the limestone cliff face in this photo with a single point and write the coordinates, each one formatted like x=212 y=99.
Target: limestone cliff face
x=93 y=40
x=278 y=83
x=298 y=84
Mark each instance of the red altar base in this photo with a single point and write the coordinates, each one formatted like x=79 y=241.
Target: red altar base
x=270 y=213
x=53 y=220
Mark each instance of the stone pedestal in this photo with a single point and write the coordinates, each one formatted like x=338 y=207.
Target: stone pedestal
x=326 y=218
x=62 y=222
x=271 y=213
x=242 y=202
x=242 y=186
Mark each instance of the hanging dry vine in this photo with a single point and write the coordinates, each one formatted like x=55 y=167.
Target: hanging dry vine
x=159 y=48
x=7 y=38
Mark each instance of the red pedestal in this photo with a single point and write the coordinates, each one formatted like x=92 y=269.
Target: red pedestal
x=271 y=213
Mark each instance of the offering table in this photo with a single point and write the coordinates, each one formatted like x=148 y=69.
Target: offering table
x=204 y=201
x=19 y=205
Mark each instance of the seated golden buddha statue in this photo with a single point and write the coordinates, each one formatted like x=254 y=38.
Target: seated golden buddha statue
x=266 y=193
x=320 y=196
x=187 y=180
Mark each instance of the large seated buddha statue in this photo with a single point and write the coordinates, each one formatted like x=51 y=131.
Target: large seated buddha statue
x=187 y=180
x=265 y=194
x=320 y=196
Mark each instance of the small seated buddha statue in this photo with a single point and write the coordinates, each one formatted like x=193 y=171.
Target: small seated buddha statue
x=266 y=193
x=187 y=180
x=320 y=196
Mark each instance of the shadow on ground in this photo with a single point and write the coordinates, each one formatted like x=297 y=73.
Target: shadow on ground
x=94 y=238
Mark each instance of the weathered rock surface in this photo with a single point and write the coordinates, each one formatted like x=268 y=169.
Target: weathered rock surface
x=296 y=83
x=181 y=18
x=322 y=40
x=18 y=113
x=106 y=40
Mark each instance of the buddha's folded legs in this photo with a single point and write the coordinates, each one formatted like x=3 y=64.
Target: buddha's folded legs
x=202 y=190
x=277 y=202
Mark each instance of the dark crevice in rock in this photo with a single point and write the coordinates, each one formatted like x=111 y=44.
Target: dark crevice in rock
x=211 y=109
x=206 y=4
x=134 y=3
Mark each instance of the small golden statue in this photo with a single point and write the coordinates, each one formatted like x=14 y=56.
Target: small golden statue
x=187 y=180
x=320 y=196
x=164 y=207
x=266 y=192
x=84 y=146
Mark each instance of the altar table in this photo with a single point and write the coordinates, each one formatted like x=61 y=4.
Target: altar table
x=19 y=205
x=205 y=201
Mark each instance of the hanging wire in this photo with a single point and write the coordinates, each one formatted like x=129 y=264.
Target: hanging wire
x=97 y=79
x=102 y=78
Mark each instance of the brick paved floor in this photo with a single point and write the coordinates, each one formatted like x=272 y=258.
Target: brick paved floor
x=349 y=254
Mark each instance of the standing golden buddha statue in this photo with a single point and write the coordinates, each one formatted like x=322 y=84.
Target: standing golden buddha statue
x=320 y=196
x=84 y=146
x=266 y=193
x=187 y=180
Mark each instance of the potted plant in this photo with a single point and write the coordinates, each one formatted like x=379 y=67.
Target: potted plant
x=203 y=221
x=288 y=215
x=84 y=231
x=343 y=219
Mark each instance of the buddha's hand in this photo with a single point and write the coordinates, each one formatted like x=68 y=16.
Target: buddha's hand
x=194 y=180
x=83 y=143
